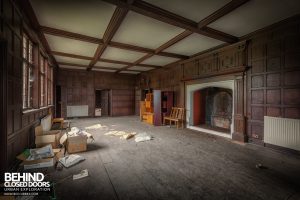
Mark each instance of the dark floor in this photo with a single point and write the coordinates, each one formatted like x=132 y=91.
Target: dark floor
x=176 y=164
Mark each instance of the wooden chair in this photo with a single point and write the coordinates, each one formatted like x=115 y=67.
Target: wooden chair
x=176 y=116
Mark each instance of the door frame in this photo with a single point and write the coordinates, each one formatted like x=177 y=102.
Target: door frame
x=109 y=108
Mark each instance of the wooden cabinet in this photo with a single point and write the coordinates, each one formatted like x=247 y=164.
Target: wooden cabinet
x=156 y=105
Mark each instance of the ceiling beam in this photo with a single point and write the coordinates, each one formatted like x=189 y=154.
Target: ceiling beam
x=135 y=63
x=229 y=7
x=98 y=67
x=164 y=46
x=70 y=35
x=115 y=22
x=160 y=14
x=119 y=45
x=57 y=53
x=101 y=59
x=127 y=63
x=145 y=50
x=171 y=18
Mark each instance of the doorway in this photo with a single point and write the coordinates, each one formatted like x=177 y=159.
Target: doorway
x=102 y=103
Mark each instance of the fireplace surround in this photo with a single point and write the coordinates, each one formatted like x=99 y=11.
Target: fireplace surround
x=209 y=107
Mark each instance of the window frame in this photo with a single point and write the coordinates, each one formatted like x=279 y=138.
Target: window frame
x=28 y=66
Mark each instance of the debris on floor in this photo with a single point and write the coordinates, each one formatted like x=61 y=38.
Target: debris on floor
x=96 y=126
x=82 y=174
x=40 y=153
x=40 y=157
x=123 y=134
x=76 y=132
x=141 y=137
x=71 y=160
x=127 y=136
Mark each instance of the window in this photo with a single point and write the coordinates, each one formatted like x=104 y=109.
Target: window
x=50 y=84
x=43 y=81
x=27 y=72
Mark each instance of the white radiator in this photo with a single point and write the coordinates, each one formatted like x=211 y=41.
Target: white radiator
x=78 y=111
x=282 y=132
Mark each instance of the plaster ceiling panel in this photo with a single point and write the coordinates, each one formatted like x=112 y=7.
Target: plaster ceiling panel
x=112 y=65
x=87 y=17
x=121 y=54
x=71 y=60
x=129 y=72
x=256 y=14
x=195 y=10
x=139 y=68
x=71 y=46
x=193 y=44
x=140 y=30
x=103 y=70
x=71 y=67
x=159 y=60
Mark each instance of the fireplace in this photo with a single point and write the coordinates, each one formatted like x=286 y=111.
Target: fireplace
x=213 y=108
x=210 y=107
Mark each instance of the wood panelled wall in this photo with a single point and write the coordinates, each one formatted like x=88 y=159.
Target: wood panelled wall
x=17 y=127
x=274 y=78
x=270 y=85
x=78 y=88
x=122 y=102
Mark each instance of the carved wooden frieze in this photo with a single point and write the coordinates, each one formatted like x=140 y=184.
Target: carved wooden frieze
x=216 y=62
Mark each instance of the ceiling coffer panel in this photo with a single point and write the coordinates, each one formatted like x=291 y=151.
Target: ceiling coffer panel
x=74 y=15
x=121 y=54
x=110 y=65
x=159 y=60
x=71 y=46
x=140 y=30
x=256 y=14
x=63 y=59
x=195 y=10
x=193 y=44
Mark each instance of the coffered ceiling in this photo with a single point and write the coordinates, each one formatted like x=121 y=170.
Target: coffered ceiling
x=134 y=36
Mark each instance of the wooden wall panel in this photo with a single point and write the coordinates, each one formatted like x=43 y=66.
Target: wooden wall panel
x=18 y=130
x=122 y=102
x=78 y=88
x=273 y=80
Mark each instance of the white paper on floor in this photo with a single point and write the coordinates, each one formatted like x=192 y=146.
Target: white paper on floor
x=123 y=134
x=70 y=160
x=82 y=174
x=96 y=126
x=141 y=137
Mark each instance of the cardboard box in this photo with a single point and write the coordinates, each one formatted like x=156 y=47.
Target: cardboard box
x=76 y=144
x=34 y=164
x=43 y=138
x=40 y=163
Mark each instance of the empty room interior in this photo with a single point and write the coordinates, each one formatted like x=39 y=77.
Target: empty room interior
x=150 y=99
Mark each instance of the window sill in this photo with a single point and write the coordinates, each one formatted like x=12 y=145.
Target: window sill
x=34 y=110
